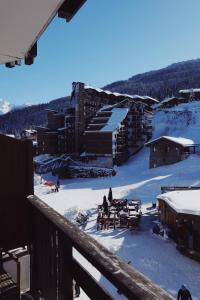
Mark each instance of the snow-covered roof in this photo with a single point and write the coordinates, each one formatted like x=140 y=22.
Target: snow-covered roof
x=118 y=115
x=30 y=131
x=179 y=140
x=11 y=135
x=86 y=87
x=150 y=98
x=189 y=91
x=185 y=202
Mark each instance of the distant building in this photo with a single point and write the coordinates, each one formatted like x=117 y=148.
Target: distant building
x=30 y=134
x=180 y=210
x=170 y=102
x=190 y=94
x=168 y=150
x=58 y=136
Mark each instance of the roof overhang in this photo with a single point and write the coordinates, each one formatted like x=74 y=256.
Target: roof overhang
x=23 y=21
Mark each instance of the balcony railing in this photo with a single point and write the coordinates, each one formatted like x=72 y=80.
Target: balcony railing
x=53 y=266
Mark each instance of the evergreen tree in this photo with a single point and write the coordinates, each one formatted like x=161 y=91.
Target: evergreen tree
x=110 y=196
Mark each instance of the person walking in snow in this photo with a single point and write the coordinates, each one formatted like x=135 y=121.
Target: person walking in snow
x=58 y=183
x=56 y=188
x=184 y=293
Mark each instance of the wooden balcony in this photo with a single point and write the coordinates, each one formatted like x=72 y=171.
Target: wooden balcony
x=27 y=220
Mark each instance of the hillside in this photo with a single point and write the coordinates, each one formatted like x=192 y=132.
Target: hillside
x=159 y=84
x=155 y=257
x=16 y=120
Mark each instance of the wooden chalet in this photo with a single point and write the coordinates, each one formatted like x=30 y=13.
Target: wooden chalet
x=168 y=150
x=180 y=210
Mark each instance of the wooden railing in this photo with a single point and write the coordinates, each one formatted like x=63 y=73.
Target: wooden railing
x=53 y=266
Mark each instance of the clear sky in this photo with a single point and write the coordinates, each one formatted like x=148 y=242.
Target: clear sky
x=106 y=41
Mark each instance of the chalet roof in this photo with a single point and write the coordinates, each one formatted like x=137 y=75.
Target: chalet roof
x=168 y=100
x=188 y=91
x=23 y=21
x=178 y=140
x=186 y=202
x=118 y=115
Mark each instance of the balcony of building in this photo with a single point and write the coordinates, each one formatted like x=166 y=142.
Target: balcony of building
x=50 y=241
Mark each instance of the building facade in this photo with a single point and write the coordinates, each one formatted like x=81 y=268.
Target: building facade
x=88 y=101
x=117 y=131
x=80 y=129
x=58 y=136
x=168 y=150
x=182 y=217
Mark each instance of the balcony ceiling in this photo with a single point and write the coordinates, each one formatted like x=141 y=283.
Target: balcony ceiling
x=23 y=21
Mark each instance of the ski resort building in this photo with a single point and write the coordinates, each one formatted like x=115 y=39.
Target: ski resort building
x=180 y=210
x=83 y=126
x=168 y=150
x=88 y=101
x=116 y=132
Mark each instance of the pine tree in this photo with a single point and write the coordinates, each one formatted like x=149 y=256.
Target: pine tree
x=110 y=196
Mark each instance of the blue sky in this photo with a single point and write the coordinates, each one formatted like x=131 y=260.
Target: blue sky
x=106 y=41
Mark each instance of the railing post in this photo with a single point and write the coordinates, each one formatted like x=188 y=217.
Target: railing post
x=65 y=267
x=18 y=274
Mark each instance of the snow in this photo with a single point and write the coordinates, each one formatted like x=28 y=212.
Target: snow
x=187 y=202
x=4 y=106
x=118 y=115
x=150 y=98
x=190 y=91
x=179 y=140
x=154 y=256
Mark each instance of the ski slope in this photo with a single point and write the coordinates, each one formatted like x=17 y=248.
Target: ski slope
x=154 y=256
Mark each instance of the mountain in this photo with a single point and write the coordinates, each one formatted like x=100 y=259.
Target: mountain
x=161 y=83
x=158 y=84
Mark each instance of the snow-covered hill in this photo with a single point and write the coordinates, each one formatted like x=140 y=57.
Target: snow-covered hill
x=155 y=257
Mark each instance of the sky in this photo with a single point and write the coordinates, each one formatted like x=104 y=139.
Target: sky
x=106 y=41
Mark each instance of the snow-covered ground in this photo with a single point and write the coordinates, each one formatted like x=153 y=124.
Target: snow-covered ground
x=154 y=256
